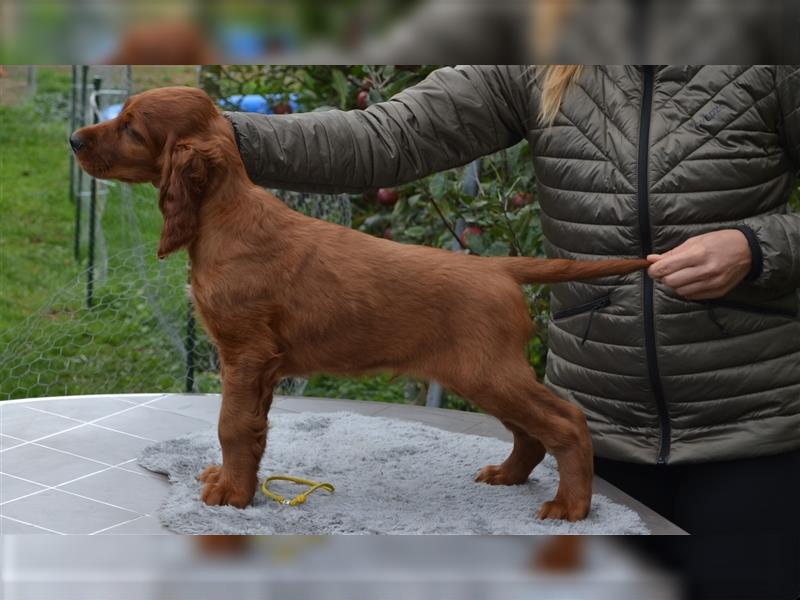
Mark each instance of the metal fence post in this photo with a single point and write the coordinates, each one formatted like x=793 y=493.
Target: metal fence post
x=190 y=349
x=190 y=343
x=72 y=119
x=92 y=217
x=32 y=81
x=471 y=185
x=129 y=79
x=79 y=197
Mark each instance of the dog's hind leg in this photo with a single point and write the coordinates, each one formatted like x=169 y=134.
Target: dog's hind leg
x=526 y=454
x=563 y=430
x=246 y=398
x=510 y=392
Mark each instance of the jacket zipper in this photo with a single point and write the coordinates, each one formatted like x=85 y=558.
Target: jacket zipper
x=647 y=283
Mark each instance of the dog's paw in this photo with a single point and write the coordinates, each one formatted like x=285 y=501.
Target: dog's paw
x=500 y=475
x=219 y=489
x=560 y=509
x=210 y=474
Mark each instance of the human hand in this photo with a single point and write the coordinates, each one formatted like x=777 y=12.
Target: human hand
x=704 y=266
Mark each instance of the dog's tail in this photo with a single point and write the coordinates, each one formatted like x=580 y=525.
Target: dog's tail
x=555 y=270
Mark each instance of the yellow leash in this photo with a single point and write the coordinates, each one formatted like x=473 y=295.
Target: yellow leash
x=300 y=498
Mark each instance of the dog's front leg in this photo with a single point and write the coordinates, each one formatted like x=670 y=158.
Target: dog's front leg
x=246 y=397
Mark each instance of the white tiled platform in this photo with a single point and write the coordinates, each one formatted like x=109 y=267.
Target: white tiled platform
x=68 y=465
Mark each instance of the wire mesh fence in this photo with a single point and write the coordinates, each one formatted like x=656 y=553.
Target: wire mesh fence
x=129 y=340
x=123 y=322
x=138 y=332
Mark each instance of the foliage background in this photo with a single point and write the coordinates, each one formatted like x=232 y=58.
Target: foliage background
x=123 y=347
x=502 y=219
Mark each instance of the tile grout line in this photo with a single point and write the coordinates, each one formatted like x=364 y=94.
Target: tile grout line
x=147 y=404
x=118 y=524
x=122 y=397
x=141 y=437
x=44 y=437
x=82 y=457
x=50 y=412
x=138 y=514
x=46 y=487
x=68 y=453
x=93 y=422
x=60 y=489
x=81 y=424
x=99 y=501
x=31 y=525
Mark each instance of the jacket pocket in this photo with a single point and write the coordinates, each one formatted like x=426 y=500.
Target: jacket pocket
x=769 y=311
x=587 y=307
x=592 y=305
x=753 y=308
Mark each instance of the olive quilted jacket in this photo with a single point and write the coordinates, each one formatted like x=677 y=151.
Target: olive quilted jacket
x=638 y=160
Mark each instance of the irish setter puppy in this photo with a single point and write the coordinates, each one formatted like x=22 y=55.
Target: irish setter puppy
x=170 y=42
x=282 y=294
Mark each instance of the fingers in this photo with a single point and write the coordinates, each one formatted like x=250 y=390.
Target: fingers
x=688 y=273
x=705 y=266
x=685 y=277
x=673 y=261
x=699 y=283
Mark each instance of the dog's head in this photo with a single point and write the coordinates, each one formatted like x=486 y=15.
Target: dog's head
x=174 y=138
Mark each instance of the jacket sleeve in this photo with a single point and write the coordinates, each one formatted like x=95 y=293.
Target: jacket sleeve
x=778 y=235
x=452 y=117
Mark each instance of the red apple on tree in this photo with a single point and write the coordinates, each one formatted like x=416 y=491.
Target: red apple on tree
x=387 y=196
x=282 y=108
x=521 y=199
x=469 y=231
x=362 y=100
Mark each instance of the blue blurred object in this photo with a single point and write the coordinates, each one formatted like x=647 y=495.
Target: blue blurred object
x=258 y=103
x=110 y=112
x=245 y=44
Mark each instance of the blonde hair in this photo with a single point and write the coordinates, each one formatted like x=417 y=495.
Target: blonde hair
x=556 y=79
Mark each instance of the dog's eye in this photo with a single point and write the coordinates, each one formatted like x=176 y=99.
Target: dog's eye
x=132 y=132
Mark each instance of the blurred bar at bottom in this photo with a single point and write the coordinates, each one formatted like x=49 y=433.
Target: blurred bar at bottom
x=331 y=567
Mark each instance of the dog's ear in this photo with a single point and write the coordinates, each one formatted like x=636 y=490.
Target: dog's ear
x=186 y=172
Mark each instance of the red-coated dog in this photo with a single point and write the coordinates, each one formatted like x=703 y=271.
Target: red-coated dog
x=282 y=294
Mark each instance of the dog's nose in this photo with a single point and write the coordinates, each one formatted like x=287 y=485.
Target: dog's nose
x=75 y=142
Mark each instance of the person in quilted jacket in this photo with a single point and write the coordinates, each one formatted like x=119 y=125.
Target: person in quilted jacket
x=689 y=374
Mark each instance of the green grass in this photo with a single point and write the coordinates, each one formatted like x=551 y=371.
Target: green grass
x=50 y=342
x=54 y=80
x=379 y=389
x=36 y=224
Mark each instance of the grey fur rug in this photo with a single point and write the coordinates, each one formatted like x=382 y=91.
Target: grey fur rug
x=390 y=476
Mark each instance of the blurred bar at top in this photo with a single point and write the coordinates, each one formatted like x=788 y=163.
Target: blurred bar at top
x=399 y=31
